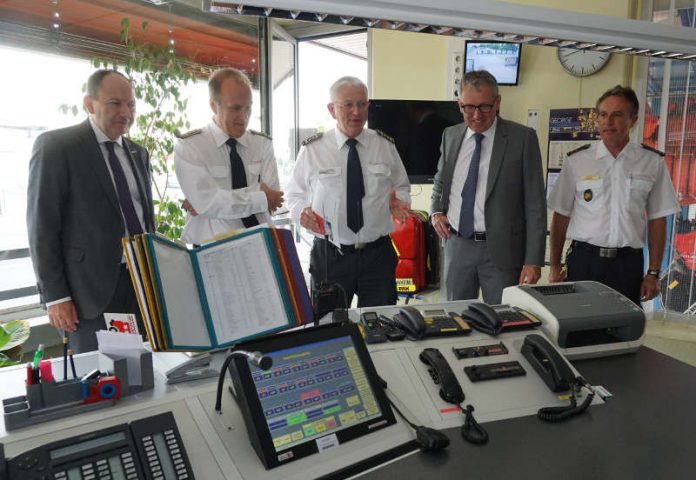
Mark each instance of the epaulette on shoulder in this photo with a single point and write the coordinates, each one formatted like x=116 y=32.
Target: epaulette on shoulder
x=384 y=135
x=188 y=134
x=313 y=138
x=260 y=134
x=654 y=150
x=579 y=149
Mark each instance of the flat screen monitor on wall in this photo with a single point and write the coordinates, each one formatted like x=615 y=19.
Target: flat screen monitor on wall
x=501 y=59
x=416 y=127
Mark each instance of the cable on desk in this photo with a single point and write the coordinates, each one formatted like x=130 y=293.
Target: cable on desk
x=559 y=414
x=472 y=431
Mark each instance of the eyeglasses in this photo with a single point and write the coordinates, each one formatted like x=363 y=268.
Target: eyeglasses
x=483 y=108
x=351 y=105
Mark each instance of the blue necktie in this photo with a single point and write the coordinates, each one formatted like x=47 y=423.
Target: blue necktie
x=466 y=214
x=124 y=195
x=355 y=188
x=239 y=177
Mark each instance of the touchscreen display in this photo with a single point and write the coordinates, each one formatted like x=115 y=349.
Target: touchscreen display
x=314 y=390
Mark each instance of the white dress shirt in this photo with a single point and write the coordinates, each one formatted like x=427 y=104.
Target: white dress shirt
x=609 y=200
x=461 y=171
x=127 y=170
x=202 y=164
x=319 y=180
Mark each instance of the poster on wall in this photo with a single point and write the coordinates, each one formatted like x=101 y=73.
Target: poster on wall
x=569 y=128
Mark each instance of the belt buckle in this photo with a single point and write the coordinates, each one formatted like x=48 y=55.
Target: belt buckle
x=608 y=252
x=479 y=236
x=359 y=246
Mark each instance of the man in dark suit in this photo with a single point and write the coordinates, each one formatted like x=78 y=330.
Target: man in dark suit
x=88 y=187
x=488 y=198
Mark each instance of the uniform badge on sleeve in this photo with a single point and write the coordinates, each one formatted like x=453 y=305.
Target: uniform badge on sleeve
x=587 y=195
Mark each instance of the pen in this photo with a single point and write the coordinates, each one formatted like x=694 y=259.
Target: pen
x=38 y=355
x=72 y=363
x=30 y=374
x=65 y=357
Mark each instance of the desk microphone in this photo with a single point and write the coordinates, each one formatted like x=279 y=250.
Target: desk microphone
x=264 y=362
x=258 y=359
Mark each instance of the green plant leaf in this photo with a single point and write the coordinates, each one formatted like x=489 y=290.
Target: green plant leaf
x=18 y=332
x=6 y=362
x=4 y=337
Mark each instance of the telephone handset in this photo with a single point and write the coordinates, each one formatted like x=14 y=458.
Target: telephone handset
x=410 y=320
x=442 y=373
x=483 y=318
x=548 y=363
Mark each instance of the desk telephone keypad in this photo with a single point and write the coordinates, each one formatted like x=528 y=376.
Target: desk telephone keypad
x=444 y=325
x=515 y=319
x=146 y=449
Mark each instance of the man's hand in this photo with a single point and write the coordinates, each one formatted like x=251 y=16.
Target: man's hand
x=530 y=275
x=441 y=225
x=649 y=288
x=63 y=316
x=274 y=197
x=308 y=219
x=186 y=205
x=557 y=274
x=398 y=208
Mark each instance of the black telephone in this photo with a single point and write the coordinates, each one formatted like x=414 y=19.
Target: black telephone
x=411 y=321
x=548 y=363
x=442 y=374
x=483 y=318
x=147 y=448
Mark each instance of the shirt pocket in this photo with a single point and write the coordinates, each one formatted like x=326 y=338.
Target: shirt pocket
x=378 y=178
x=254 y=170
x=329 y=180
x=589 y=195
x=639 y=187
x=219 y=171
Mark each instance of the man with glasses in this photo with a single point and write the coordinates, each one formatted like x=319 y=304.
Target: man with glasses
x=346 y=182
x=89 y=185
x=488 y=198
x=227 y=172
x=606 y=198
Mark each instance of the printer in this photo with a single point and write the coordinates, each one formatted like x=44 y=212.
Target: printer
x=584 y=319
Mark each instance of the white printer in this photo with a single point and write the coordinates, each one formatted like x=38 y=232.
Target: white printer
x=584 y=319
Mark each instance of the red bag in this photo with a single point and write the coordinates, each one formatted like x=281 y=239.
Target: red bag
x=409 y=242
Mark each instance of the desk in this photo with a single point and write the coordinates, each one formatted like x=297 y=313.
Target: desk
x=646 y=431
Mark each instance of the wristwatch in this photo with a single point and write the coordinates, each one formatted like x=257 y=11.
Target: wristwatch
x=654 y=273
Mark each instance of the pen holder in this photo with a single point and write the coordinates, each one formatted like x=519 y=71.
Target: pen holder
x=52 y=400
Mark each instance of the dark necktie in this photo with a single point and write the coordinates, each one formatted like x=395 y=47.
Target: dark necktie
x=355 y=188
x=466 y=214
x=124 y=195
x=239 y=177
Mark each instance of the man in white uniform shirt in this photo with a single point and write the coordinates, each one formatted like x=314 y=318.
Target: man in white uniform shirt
x=227 y=173
x=604 y=198
x=354 y=177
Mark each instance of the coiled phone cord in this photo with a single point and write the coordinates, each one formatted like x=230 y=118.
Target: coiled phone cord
x=559 y=414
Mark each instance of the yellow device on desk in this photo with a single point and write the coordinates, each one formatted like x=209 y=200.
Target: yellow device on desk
x=439 y=323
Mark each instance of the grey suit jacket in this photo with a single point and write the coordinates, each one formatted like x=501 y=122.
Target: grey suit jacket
x=515 y=209
x=74 y=219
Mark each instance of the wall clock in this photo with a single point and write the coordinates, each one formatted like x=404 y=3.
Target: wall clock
x=582 y=63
